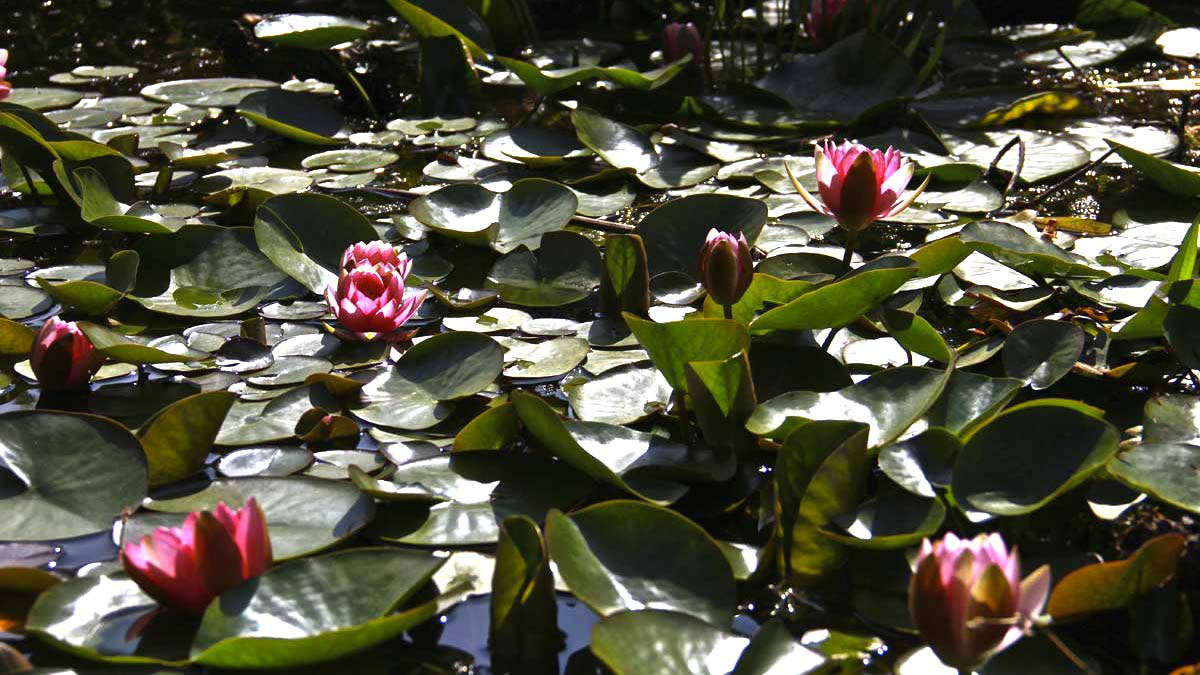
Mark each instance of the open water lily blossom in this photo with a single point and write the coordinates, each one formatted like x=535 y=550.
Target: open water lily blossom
x=63 y=357
x=859 y=185
x=968 y=600
x=369 y=298
x=5 y=87
x=184 y=568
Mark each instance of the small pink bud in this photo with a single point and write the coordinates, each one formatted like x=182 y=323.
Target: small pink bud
x=63 y=357
x=186 y=567
x=726 y=268
x=859 y=185
x=968 y=601
x=682 y=38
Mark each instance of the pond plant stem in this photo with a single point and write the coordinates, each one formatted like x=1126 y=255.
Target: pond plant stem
x=728 y=311
x=1069 y=179
x=1012 y=181
x=354 y=83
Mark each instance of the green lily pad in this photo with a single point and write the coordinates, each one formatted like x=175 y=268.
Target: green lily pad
x=309 y=31
x=68 y=475
x=328 y=614
x=591 y=549
x=620 y=145
x=265 y=462
x=535 y=146
x=418 y=392
x=890 y=401
x=301 y=117
x=674 y=233
x=565 y=268
x=842 y=301
x=1015 y=248
x=844 y=82
x=519 y=217
x=216 y=92
x=672 y=345
x=547 y=82
x=179 y=437
x=44 y=98
x=305 y=235
x=1042 y=352
x=659 y=642
x=552 y=358
x=1025 y=457
x=350 y=160
x=272 y=420
x=22 y=302
x=621 y=395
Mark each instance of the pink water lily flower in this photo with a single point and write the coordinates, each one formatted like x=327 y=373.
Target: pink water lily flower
x=859 y=185
x=185 y=568
x=968 y=600
x=375 y=253
x=818 y=22
x=726 y=268
x=369 y=299
x=5 y=87
x=63 y=357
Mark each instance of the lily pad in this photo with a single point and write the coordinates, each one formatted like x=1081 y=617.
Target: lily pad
x=309 y=31
x=519 y=217
x=589 y=547
x=67 y=475
x=217 y=92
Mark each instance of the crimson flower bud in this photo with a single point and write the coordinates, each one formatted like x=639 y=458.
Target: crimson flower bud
x=185 y=568
x=726 y=268
x=682 y=38
x=818 y=22
x=63 y=357
x=968 y=601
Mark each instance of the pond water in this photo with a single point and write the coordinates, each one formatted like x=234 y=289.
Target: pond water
x=1017 y=342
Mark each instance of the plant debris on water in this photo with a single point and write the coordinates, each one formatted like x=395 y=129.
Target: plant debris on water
x=640 y=337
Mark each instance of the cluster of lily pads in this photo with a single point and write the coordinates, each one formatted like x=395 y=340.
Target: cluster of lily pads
x=648 y=342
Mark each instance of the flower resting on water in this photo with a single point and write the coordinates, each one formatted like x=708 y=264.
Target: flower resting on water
x=184 y=568
x=369 y=297
x=726 y=268
x=5 y=87
x=968 y=600
x=63 y=357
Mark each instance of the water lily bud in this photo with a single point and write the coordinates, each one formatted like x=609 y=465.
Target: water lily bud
x=726 y=268
x=63 y=357
x=968 y=601
x=682 y=38
x=859 y=185
x=185 y=568
x=369 y=299
x=818 y=22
